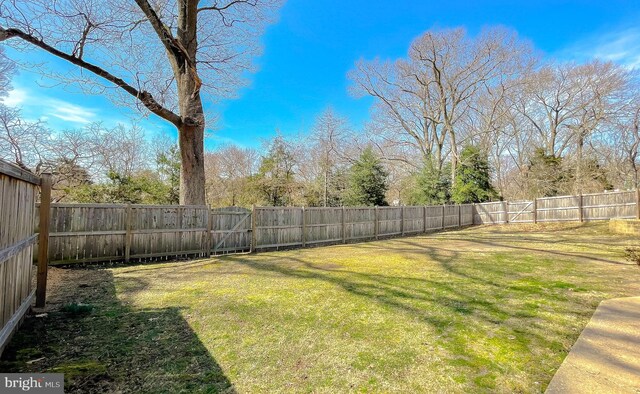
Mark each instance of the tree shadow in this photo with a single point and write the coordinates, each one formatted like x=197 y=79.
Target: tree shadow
x=464 y=312
x=504 y=245
x=113 y=347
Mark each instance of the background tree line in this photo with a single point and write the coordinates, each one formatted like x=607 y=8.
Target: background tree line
x=459 y=119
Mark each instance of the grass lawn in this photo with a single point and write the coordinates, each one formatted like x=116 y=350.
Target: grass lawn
x=482 y=309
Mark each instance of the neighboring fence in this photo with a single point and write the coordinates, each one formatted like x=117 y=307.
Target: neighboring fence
x=102 y=232
x=18 y=193
x=586 y=207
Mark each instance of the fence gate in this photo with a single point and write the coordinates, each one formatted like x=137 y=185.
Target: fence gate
x=230 y=230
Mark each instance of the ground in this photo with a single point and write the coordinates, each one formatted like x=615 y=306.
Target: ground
x=492 y=309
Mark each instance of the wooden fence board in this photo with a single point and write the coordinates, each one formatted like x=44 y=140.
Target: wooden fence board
x=18 y=193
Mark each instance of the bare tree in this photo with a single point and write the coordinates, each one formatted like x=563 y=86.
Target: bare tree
x=22 y=142
x=329 y=137
x=160 y=56
x=122 y=150
x=229 y=170
x=427 y=95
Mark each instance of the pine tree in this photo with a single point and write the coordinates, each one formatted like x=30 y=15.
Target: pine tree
x=432 y=186
x=169 y=164
x=473 y=180
x=547 y=175
x=367 y=181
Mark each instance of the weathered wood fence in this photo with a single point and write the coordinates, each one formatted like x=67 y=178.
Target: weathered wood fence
x=581 y=208
x=18 y=194
x=103 y=232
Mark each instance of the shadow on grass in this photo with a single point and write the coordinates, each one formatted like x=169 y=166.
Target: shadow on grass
x=115 y=347
x=481 y=315
x=541 y=249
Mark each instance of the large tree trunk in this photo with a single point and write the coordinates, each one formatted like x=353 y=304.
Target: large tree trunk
x=191 y=140
x=191 y=129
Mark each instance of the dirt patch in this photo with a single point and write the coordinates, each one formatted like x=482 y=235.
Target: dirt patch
x=73 y=285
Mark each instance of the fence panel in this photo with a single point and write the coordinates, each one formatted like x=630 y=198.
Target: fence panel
x=278 y=227
x=604 y=206
x=451 y=216
x=435 y=217
x=166 y=231
x=389 y=221
x=558 y=209
x=18 y=194
x=359 y=223
x=466 y=214
x=413 y=220
x=489 y=213
x=86 y=232
x=323 y=225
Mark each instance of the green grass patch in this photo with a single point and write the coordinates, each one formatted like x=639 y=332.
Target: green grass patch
x=75 y=309
x=484 y=309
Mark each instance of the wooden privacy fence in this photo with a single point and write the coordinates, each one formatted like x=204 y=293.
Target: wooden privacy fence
x=18 y=193
x=276 y=227
x=116 y=232
x=581 y=208
x=103 y=232
x=109 y=232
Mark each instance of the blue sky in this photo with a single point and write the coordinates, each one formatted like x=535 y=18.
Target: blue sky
x=314 y=43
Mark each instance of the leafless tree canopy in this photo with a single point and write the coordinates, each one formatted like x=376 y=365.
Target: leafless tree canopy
x=422 y=100
x=545 y=127
x=118 y=37
x=158 y=55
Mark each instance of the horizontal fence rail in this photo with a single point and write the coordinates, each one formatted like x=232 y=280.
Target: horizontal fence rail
x=108 y=232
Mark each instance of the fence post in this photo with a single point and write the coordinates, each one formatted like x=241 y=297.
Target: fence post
x=580 y=213
x=304 y=228
x=344 y=233
x=376 y=223
x=252 y=249
x=402 y=220
x=535 y=211
x=459 y=215
x=505 y=209
x=127 y=236
x=424 y=219
x=474 y=211
x=43 y=240
x=207 y=237
x=443 y=216
x=179 y=229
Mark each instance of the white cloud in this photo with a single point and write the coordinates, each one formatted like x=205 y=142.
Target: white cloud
x=15 y=97
x=621 y=46
x=70 y=112
x=43 y=107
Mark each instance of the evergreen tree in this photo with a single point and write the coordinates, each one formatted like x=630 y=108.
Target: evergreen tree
x=547 y=175
x=367 y=181
x=144 y=187
x=169 y=163
x=432 y=186
x=473 y=181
